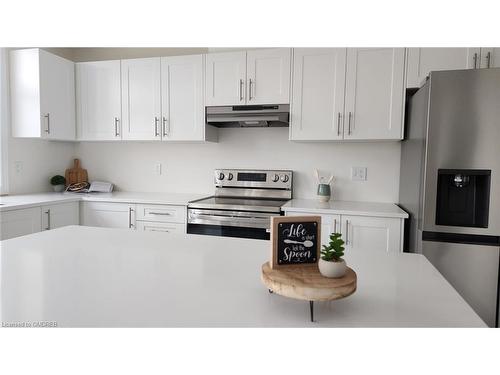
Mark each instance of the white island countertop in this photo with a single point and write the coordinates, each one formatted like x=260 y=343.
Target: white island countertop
x=14 y=202
x=345 y=208
x=99 y=277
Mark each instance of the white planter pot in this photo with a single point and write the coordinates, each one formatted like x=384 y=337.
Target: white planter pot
x=58 y=188
x=332 y=269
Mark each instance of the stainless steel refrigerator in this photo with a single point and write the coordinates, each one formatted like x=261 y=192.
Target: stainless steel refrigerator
x=450 y=182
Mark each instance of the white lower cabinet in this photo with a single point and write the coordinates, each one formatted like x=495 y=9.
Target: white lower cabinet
x=161 y=218
x=151 y=226
x=367 y=233
x=361 y=233
x=143 y=217
x=60 y=215
x=20 y=222
x=109 y=215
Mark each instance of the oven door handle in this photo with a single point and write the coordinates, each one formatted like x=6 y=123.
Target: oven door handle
x=230 y=216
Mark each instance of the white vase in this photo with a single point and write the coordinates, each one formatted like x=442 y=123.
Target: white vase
x=58 y=188
x=332 y=269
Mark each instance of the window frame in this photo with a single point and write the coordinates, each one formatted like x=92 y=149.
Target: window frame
x=4 y=120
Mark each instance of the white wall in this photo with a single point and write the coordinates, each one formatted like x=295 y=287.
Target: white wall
x=40 y=161
x=189 y=167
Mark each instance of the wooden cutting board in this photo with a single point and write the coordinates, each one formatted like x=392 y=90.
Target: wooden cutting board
x=76 y=174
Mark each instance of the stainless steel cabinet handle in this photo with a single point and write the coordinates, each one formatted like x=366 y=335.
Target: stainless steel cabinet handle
x=156 y=126
x=347 y=232
x=250 y=84
x=475 y=61
x=165 y=132
x=241 y=90
x=338 y=124
x=117 y=133
x=161 y=213
x=349 y=132
x=130 y=210
x=47 y=129
x=488 y=58
x=48 y=219
x=335 y=225
x=159 y=230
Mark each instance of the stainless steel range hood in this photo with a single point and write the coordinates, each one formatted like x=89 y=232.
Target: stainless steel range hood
x=248 y=116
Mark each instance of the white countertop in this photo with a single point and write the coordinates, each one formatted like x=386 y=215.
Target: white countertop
x=95 y=277
x=13 y=202
x=345 y=208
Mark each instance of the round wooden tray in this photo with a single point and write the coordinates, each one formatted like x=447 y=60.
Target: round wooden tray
x=306 y=283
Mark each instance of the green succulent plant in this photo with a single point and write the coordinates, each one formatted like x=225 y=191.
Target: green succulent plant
x=57 y=180
x=335 y=249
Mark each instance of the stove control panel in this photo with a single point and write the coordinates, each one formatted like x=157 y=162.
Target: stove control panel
x=248 y=178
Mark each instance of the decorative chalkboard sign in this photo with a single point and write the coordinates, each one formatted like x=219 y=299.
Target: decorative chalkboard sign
x=295 y=240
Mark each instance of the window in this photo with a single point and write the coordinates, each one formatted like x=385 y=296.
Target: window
x=4 y=120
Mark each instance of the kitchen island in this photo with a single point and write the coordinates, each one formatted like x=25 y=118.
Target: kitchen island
x=99 y=277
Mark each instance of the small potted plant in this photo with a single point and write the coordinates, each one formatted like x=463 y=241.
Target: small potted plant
x=58 y=183
x=331 y=263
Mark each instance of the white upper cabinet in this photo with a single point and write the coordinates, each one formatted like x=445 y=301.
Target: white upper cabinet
x=421 y=61
x=225 y=78
x=252 y=77
x=183 y=112
x=268 y=76
x=374 y=98
x=42 y=95
x=490 y=57
x=98 y=98
x=355 y=94
x=141 y=98
x=317 y=108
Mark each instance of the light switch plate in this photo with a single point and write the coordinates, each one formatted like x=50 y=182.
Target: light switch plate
x=358 y=173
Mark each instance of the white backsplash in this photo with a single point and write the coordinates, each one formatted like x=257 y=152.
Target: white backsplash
x=188 y=167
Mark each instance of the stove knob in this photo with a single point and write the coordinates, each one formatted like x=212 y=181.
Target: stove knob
x=220 y=176
x=276 y=178
x=230 y=176
x=284 y=178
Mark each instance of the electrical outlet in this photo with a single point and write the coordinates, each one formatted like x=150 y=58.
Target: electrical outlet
x=358 y=173
x=18 y=165
x=158 y=169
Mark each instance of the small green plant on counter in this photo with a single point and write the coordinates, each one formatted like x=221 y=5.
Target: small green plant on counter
x=335 y=249
x=57 y=180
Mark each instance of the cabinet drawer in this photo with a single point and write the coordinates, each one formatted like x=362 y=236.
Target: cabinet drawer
x=152 y=226
x=161 y=213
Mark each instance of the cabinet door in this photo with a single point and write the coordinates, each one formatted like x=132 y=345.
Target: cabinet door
x=141 y=95
x=421 y=61
x=374 y=98
x=226 y=78
x=57 y=96
x=148 y=226
x=490 y=57
x=183 y=112
x=329 y=224
x=20 y=222
x=60 y=215
x=371 y=233
x=108 y=215
x=268 y=76
x=98 y=100
x=317 y=103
